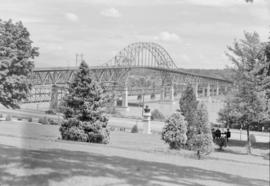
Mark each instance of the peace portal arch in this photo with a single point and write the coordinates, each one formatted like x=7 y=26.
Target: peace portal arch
x=145 y=59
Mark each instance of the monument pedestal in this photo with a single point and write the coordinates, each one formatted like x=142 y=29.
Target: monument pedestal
x=147 y=123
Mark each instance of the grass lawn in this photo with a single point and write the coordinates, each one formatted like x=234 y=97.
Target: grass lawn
x=32 y=154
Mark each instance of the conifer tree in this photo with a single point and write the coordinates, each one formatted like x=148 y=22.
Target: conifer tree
x=188 y=107
x=83 y=109
x=16 y=63
x=202 y=141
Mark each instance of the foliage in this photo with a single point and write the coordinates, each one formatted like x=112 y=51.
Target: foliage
x=221 y=142
x=188 y=107
x=84 y=109
x=43 y=120
x=30 y=119
x=16 y=63
x=252 y=139
x=174 y=131
x=246 y=103
x=202 y=141
x=51 y=112
x=134 y=129
x=157 y=115
x=8 y=117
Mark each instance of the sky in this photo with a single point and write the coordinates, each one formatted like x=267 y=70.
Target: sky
x=195 y=33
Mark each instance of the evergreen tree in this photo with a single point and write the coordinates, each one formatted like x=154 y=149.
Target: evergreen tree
x=202 y=141
x=188 y=107
x=83 y=109
x=16 y=63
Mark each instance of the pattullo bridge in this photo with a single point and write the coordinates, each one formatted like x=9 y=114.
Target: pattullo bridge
x=146 y=59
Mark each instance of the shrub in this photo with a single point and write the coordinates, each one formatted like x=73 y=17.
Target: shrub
x=157 y=115
x=43 y=120
x=174 y=131
x=221 y=142
x=30 y=119
x=51 y=112
x=153 y=96
x=53 y=121
x=252 y=139
x=19 y=119
x=8 y=117
x=1 y=115
x=135 y=129
x=139 y=97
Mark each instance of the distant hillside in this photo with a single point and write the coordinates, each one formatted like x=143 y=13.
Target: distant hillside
x=218 y=73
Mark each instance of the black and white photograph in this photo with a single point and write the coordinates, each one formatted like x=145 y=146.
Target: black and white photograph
x=134 y=92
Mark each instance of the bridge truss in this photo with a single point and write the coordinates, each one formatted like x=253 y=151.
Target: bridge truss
x=137 y=57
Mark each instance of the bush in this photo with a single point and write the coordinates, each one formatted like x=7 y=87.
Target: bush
x=221 y=142
x=73 y=129
x=51 y=112
x=202 y=143
x=8 y=117
x=139 y=97
x=135 y=129
x=153 y=96
x=174 y=131
x=157 y=115
x=30 y=119
x=1 y=115
x=53 y=121
x=252 y=139
x=43 y=120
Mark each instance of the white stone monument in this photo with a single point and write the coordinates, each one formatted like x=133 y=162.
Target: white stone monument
x=147 y=121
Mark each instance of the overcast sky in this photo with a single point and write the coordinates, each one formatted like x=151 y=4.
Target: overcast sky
x=194 y=32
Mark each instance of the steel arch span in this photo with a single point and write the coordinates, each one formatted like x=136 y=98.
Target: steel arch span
x=143 y=54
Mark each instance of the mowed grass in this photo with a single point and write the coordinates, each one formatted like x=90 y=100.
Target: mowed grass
x=32 y=154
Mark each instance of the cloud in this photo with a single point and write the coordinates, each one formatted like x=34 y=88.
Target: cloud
x=72 y=17
x=111 y=12
x=167 y=36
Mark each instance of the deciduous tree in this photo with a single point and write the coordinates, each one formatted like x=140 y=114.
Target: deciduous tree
x=16 y=63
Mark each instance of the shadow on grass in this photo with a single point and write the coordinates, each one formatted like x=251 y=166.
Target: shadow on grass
x=63 y=164
x=257 y=145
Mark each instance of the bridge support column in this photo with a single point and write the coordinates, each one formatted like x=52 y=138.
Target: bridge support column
x=125 y=98
x=162 y=93
x=196 y=87
x=54 y=98
x=209 y=92
x=203 y=91
x=172 y=93
x=217 y=91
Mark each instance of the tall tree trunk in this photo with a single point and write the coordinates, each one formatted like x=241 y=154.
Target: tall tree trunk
x=248 y=141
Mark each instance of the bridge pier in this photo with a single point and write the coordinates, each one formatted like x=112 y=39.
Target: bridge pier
x=203 y=91
x=172 y=93
x=217 y=90
x=54 y=98
x=209 y=92
x=196 y=90
x=162 y=93
x=125 y=98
